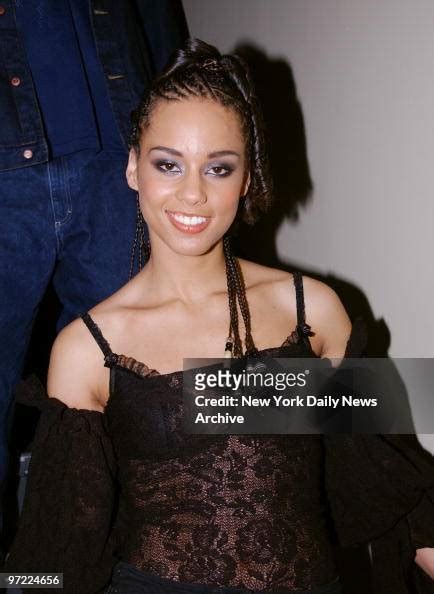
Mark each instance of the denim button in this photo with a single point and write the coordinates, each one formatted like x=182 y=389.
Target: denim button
x=2 y=10
x=28 y=154
x=15 y=81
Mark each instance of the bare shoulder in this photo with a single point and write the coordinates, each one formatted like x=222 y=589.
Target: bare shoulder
x=76 y=374
x=258 y=275
x=75 y=369
x=324 y=310
x=319 y=294
x=326 y=315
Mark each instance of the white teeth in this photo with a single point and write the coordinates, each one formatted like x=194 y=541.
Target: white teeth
x=189 y=220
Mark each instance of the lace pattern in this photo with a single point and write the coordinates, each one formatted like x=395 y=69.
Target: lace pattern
x=241 y=511
x=247 y=500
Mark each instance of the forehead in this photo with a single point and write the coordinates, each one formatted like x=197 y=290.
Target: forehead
x=194 y=125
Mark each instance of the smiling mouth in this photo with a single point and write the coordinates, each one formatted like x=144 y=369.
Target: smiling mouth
x=188 y=223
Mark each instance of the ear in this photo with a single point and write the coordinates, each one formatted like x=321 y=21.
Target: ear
x=131 y=172
x=246 y=184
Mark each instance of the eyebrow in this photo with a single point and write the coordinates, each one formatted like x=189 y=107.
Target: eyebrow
x=176 y=153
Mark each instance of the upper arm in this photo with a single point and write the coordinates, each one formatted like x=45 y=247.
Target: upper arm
x=327 y=317
x=74 y=370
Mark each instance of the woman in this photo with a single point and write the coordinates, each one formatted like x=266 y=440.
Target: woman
x=114 y=482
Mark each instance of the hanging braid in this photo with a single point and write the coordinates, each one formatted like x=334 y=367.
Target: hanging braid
x=244 y=307
x=237 y=290
x=234 y=332
x=140 y=245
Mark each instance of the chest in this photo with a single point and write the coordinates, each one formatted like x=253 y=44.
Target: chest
x=164 y=339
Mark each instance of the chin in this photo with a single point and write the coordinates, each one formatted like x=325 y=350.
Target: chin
x=197 y=250
x=198 y=247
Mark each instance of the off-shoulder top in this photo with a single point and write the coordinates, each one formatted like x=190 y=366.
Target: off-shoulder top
x=250 y=511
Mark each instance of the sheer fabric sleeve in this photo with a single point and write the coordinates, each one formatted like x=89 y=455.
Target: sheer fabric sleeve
x=381 y=491
x=66 y=524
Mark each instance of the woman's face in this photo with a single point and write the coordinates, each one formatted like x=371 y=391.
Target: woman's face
x=190 y=173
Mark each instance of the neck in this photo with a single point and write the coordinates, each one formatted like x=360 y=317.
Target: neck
x=186 y=278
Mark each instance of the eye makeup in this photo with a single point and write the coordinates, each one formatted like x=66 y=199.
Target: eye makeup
x=220 y=169
x=214 y=169
x=166 y=166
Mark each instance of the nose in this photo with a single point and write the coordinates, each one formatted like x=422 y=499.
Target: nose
x=192 y=191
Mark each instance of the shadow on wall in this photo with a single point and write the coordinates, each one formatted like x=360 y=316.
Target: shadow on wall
x=293 y=187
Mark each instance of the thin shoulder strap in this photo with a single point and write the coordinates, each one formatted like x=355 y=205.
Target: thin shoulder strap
x=303 y=329
x=109 y=356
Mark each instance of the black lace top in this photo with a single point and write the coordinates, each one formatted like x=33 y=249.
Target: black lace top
x=255 y=512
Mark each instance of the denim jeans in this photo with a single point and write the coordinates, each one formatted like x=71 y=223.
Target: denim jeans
x=71 y=221
x=129 y=580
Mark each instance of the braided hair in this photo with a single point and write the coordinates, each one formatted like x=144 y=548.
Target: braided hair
x=199 y=70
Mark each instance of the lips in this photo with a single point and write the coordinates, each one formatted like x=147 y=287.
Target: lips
x=188 y=223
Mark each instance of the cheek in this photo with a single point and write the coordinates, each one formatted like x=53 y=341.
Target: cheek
x=228 y=202
x=152 y=194
x=151 y=184
x=226 y=194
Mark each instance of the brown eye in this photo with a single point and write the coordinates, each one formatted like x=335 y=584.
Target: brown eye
x=166 y=166
x=220 y=170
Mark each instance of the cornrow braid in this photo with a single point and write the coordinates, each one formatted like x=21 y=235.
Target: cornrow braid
x=259 y=196
x=199 y=70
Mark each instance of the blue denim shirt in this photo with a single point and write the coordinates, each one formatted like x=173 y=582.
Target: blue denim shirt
x=129 y=58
